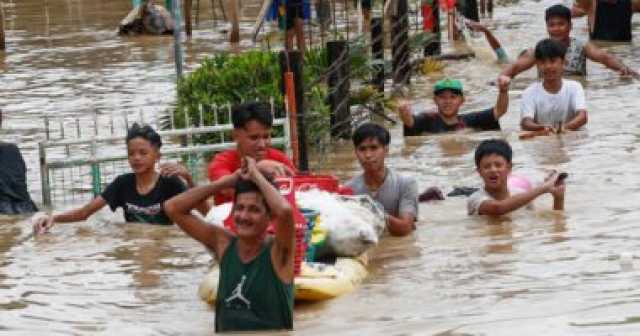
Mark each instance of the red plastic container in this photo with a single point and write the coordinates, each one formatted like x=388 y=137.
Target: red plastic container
x=287 y=187
x=301 y=248
x=323 y=182
x=344 y=190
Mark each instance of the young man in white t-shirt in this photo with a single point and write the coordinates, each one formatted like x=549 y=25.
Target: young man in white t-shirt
x=553 y=104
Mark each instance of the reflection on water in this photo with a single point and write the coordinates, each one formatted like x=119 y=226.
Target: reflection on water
x=531 y=273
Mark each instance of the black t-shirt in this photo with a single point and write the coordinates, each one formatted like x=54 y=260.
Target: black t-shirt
x=433 y=123
x=14 y=196
x=122 y=192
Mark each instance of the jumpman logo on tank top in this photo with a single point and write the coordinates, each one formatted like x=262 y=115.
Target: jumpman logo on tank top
x=236 y=296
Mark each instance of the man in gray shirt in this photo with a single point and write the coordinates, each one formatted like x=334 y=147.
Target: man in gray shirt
x=396 y=193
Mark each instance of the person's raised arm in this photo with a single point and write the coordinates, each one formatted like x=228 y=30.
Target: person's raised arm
x=512 y=203
x=274 y=168
x=523 y=62
x=580 y=8
x=175 y=169
x=491 y=39
x=502 y=102
x=635 y=5
x=179 y=209
x=283 y=250
x=598 y=55
x=558 y=195
x=406 y=115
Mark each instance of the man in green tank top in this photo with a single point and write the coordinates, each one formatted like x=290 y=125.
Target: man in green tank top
x=255 y=291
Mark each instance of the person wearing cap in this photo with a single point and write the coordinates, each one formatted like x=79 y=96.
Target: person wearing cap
x=449 y=97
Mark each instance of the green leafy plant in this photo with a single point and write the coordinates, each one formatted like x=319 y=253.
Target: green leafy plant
x=225 y=79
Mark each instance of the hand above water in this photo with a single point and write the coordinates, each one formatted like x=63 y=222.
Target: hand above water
x=554 y=186
x=628 y=72
x=272 y=168
x=503 y=81
x=404 y=105
x=41 y=223
x=249 y=169
x=503 y=85
x=175 y=169
x=475 y=26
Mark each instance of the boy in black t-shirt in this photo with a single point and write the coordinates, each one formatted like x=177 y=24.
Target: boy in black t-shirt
x=449 y=97
x=141 y=193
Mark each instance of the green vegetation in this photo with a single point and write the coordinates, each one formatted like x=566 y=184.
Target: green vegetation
x=255 y=76
x=224 y=79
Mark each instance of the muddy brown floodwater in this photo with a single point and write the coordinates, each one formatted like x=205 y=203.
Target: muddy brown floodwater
x=533 y=273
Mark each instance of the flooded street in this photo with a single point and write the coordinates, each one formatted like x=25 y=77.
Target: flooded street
x=532 y=273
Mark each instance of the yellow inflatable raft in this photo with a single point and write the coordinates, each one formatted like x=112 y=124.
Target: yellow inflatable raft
x=316 y=282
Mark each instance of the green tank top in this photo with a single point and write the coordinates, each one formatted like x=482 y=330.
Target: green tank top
x=251 y=296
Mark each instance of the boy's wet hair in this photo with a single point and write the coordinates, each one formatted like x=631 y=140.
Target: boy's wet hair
x=241 y=114
x=146 y=132
x=558 y=10
x=371 y=131
x=247 y=186
x=493 y=146
x=549 y=49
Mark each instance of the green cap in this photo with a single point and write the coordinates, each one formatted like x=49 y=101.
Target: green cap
x=448 y=84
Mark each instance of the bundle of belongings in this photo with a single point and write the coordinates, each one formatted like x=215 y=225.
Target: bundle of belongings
x=147 y=18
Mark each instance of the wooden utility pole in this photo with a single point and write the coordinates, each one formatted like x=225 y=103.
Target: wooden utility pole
x=234 y=17
x=2 y=45
x=177 y=34
x=187 y=16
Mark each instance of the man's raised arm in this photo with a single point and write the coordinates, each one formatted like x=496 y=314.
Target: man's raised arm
x=179 y=210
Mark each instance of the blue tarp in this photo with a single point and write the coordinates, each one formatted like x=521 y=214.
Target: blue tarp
x=272 y=14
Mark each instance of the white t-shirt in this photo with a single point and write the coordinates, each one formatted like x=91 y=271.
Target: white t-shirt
x=477 y=198
x=550 y=109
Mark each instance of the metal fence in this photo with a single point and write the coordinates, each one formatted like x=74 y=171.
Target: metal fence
x=77 y=167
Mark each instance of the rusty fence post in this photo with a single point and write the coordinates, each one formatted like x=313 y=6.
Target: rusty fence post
x=2 y=44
